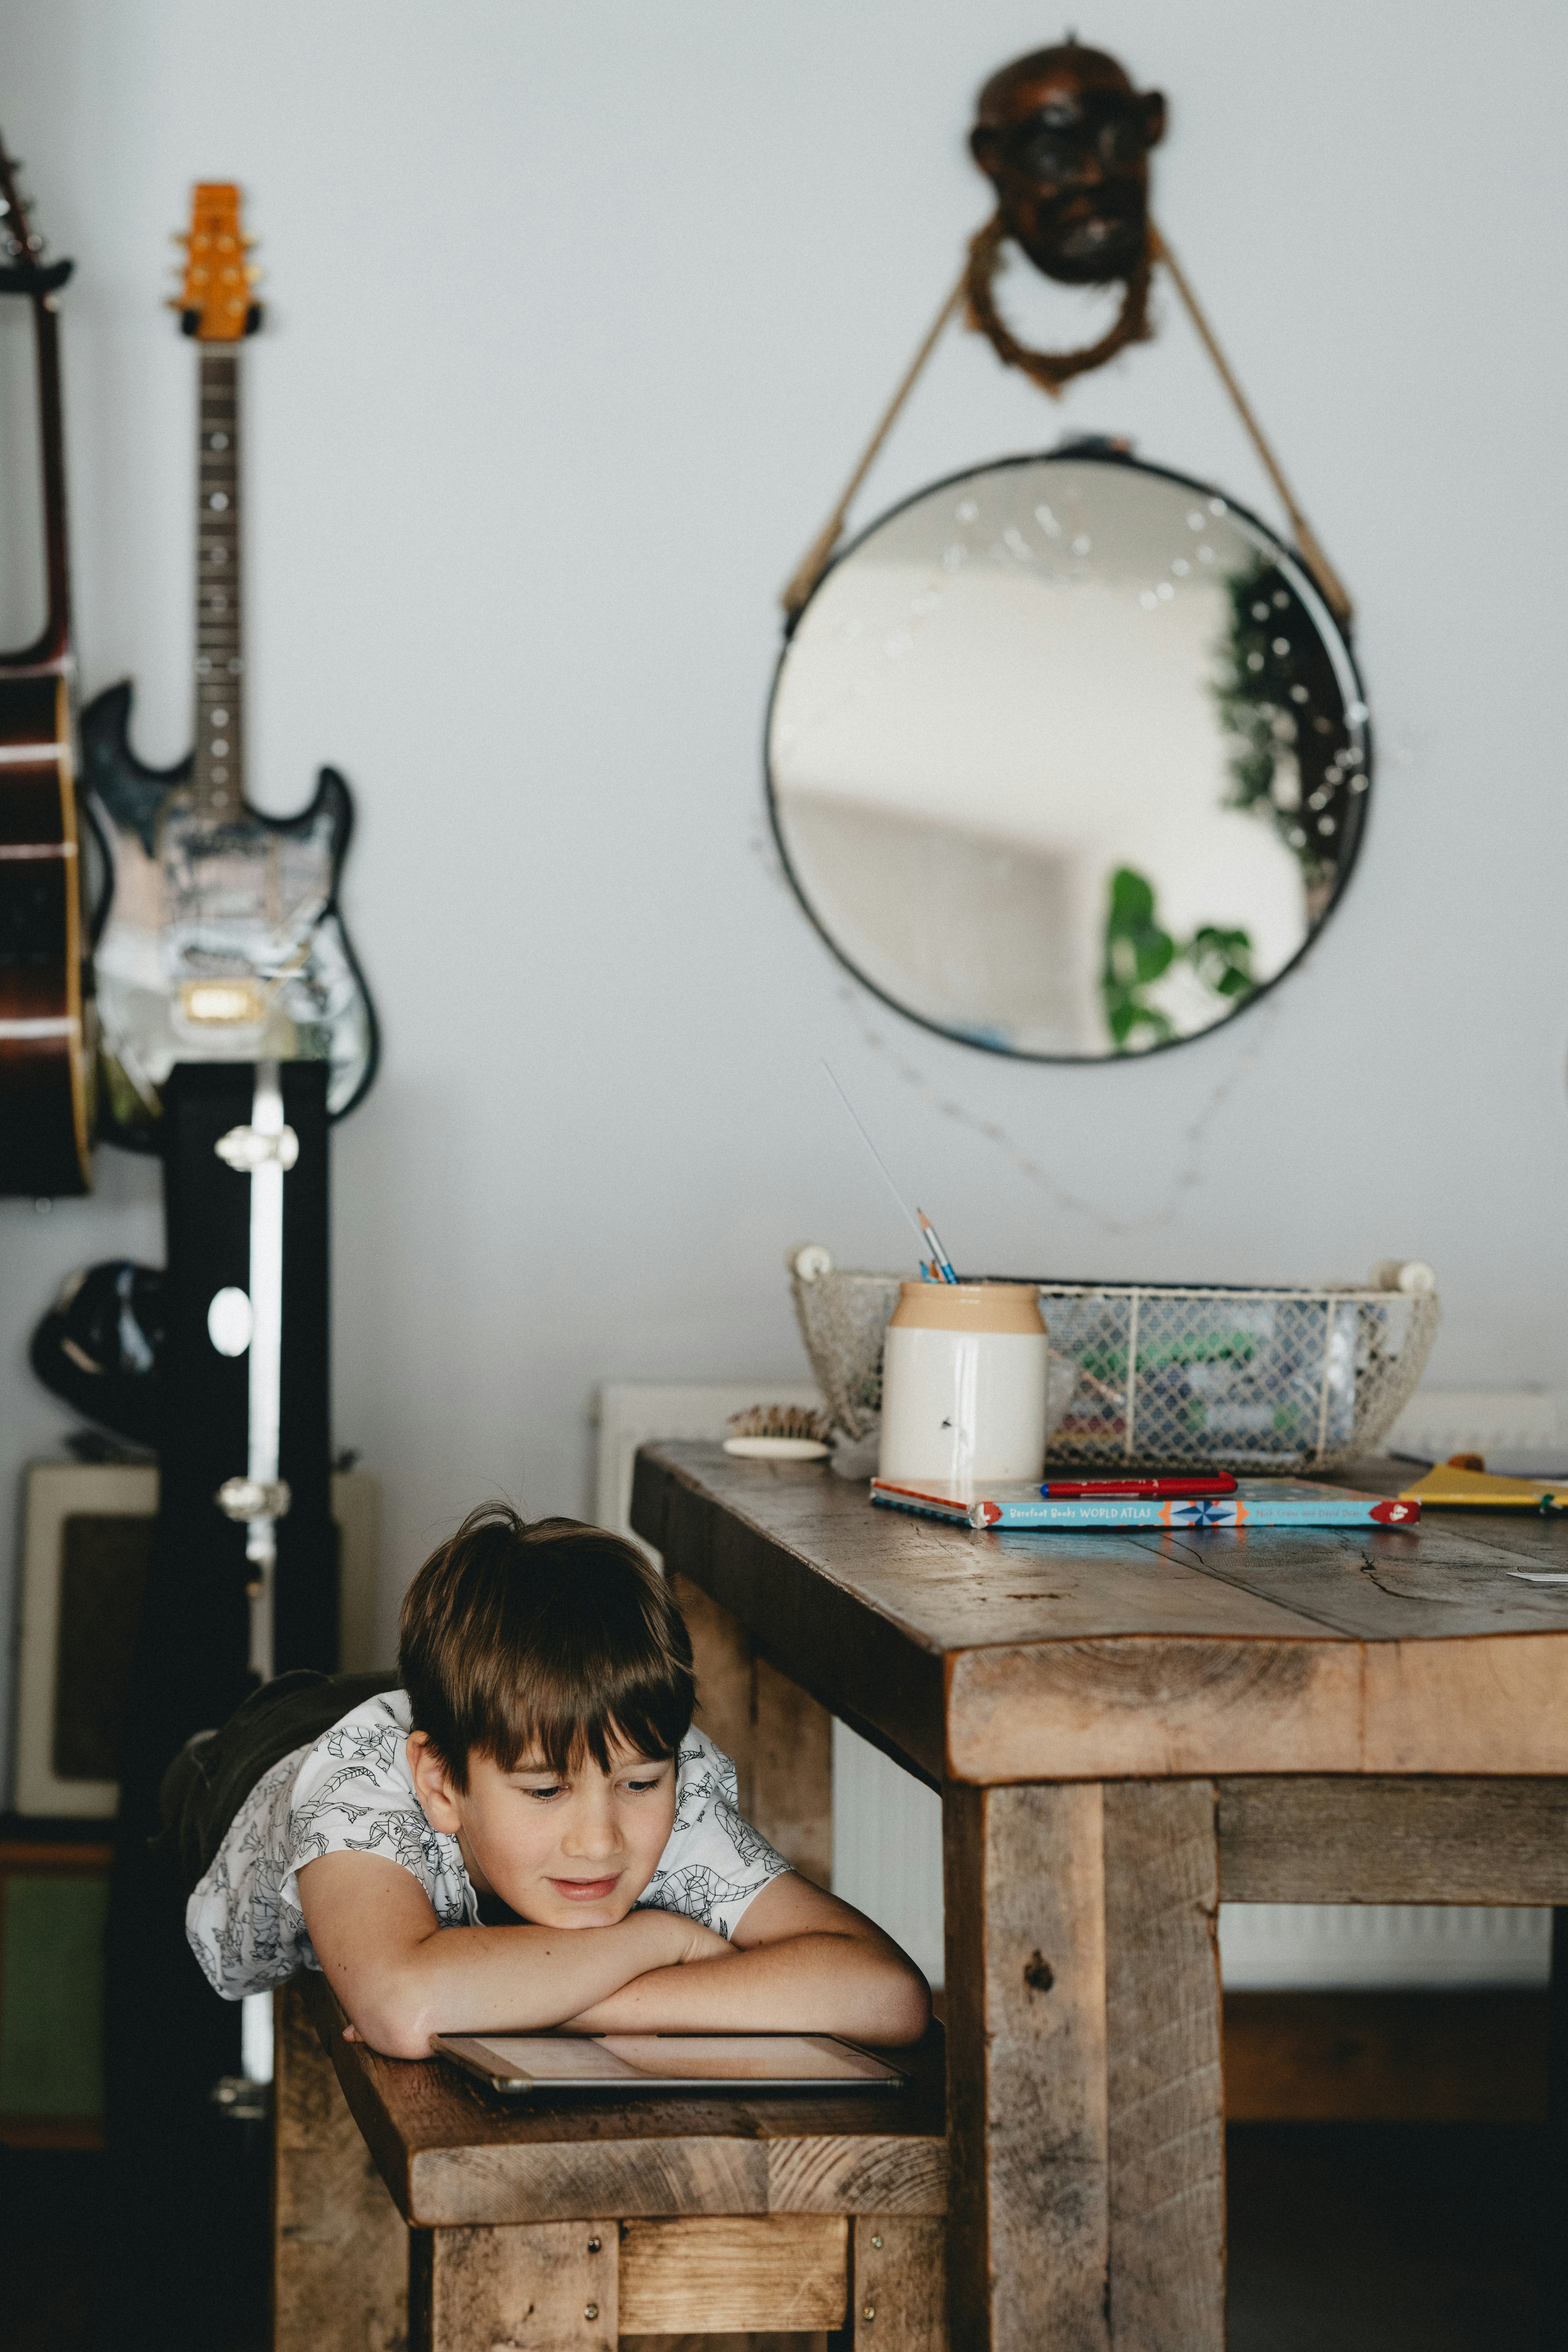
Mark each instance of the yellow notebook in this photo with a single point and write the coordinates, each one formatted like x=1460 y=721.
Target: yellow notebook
x=1478 y=1490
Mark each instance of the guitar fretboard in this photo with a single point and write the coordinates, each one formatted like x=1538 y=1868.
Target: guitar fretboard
x=219 y=778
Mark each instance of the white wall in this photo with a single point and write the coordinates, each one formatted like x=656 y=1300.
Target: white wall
x=577 y=317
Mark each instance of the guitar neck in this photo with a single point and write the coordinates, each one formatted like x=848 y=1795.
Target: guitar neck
x=55 y=645
x=24 y=272
x=51 y=649
x=218 y=781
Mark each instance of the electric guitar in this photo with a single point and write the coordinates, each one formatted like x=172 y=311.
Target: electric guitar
x=223 y=941
x=46 y=1050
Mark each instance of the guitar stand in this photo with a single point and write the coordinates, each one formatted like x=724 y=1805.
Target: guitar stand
x=243 y=1584
x=246 y=1452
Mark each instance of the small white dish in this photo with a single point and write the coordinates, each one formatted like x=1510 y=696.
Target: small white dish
x=776 y=1449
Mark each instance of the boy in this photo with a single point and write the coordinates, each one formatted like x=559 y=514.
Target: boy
x=536 y=1768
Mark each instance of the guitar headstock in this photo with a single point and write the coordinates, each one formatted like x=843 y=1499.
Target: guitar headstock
x=15 y=228
x=214 y=303
x=22 y=269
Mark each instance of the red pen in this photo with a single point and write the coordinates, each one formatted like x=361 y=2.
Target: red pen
x=1178 y=1489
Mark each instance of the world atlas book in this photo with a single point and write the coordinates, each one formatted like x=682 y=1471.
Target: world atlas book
x=1256 y=1502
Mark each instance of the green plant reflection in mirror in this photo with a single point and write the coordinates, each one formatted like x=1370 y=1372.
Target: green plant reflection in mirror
x=1138 y=952
x=1275 y=697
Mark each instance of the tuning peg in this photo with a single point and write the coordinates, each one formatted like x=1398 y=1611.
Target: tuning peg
x=254 y=277
x=178 y=236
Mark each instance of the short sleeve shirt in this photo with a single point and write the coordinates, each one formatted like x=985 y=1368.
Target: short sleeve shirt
x=352 y=1793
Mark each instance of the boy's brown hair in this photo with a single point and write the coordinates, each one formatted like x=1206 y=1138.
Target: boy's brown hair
x=549 y=1640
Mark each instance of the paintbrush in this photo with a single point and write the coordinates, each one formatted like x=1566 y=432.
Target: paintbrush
x=925 y=1232
x=938 y=1256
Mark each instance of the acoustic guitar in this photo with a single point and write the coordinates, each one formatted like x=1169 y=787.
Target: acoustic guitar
x=46 y=1048
x=224 y=941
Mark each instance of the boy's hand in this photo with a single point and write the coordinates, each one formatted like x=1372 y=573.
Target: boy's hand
x=801 y=1962
x=681 y=1942
x=700 y=1943
x=665 y=1939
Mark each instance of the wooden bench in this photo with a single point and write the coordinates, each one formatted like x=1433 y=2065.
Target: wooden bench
x=412 y=2208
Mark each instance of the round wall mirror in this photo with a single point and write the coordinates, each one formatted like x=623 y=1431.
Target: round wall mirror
x=1068 y=756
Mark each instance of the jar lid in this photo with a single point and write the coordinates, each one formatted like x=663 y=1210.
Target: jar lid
x=1010 y=1307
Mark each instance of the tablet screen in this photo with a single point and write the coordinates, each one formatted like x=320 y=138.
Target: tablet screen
x=629 y=2060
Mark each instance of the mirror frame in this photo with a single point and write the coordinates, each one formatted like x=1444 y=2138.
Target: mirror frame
x=1089 y=450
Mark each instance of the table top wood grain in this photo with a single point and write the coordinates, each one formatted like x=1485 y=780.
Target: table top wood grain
x=1008 y=1656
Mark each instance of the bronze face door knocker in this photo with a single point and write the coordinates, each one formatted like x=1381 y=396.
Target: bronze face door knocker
x=1065 y=139
x=1068 y=758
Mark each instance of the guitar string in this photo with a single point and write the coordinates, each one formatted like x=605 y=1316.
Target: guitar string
x=1189 y=1175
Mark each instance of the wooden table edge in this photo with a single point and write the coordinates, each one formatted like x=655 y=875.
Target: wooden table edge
x=1377 y=1705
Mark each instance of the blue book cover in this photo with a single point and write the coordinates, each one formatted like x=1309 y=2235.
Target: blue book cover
x=1256 y=1502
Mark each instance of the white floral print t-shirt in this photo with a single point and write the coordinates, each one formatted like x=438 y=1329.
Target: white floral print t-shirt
x=352 y=1793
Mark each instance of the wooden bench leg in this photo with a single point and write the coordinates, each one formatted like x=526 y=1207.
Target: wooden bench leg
x=549 y=2286
x=339 y=2247
x=898 y=2272
x=1084 y=2103
x=781 y=1740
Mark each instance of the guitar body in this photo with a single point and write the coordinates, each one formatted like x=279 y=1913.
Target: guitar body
x=46 y=1064
x=224 y=941
x=46 y=1047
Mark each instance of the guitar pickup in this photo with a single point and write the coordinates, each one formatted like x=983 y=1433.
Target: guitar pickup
x=224 y=1004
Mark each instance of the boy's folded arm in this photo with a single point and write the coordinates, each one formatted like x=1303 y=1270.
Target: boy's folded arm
x=800 y=1961
x=402 y=1977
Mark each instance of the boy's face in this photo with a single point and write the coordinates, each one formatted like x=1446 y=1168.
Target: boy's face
x=563 y=1851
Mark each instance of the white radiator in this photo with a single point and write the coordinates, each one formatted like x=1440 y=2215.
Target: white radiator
x=887 y=1826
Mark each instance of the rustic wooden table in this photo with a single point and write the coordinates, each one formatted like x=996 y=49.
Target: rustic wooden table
x=1121 y=1725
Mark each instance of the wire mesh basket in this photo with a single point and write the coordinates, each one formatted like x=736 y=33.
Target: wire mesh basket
x=1164 y=1374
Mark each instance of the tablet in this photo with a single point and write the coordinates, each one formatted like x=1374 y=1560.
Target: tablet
x=623 y=2064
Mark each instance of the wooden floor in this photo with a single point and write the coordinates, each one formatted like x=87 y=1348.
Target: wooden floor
x=52 y=2211
x=1367 y=2237
x=1384 y=2237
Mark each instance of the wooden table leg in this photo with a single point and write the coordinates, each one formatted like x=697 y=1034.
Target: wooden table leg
x=1084 y=2103
x=779 y=1739
x=1165 y=2099
x=792 y=1774
x=1555 y=2242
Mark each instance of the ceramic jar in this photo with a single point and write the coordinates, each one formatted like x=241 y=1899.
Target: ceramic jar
x=963 y=1382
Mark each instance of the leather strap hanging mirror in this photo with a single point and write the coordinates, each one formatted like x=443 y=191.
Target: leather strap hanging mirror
x=1066 y=138
x=1068 y=756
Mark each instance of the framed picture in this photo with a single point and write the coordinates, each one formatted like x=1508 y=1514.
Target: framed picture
x=54 y=1902
x=87 y=1543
